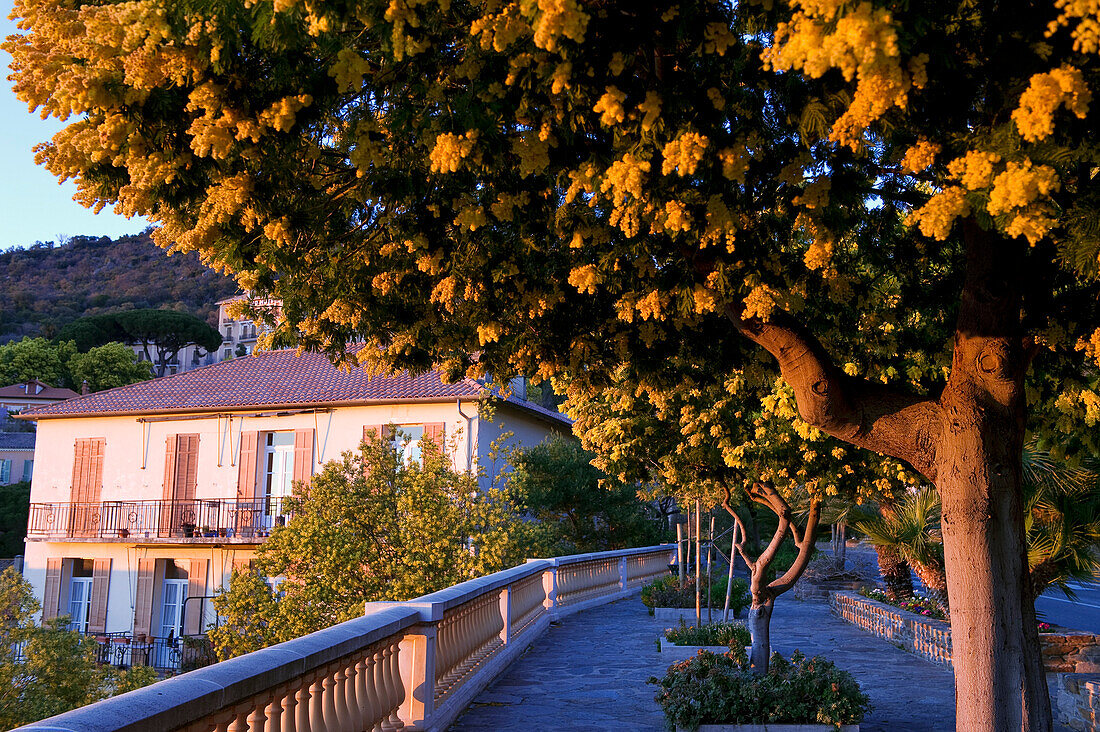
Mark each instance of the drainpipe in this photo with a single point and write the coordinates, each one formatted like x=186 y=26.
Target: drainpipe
x=469 y=436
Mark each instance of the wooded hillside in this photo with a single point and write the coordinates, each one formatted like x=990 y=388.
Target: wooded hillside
x=46 y=286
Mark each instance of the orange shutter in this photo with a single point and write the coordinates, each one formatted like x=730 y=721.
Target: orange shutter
x=433 y=431
x=242 y=565
x=80 y=461
x=143 y=602
x=168 y=517
x=372 y=430
x=101 y=579
x=51 y=598
x=87 y=481
x=196 y=587
x=303 y=455
x=246 y=475
x=187 y=467
x=97 y=449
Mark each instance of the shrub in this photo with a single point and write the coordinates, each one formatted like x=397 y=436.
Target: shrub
x=669 y=592
x=716 y=688
x=734 y=635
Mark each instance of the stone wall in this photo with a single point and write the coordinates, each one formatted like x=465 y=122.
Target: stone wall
x=1075 y=699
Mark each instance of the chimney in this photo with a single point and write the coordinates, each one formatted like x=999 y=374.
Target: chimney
x=84 y=389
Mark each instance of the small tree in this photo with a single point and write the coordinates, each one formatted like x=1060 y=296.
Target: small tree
x=49 y=670
x=35 y=358
x=369 y=527
x=108 y=366
x=581 y=507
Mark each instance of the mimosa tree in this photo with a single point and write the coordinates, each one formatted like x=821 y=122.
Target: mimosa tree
x=896 y=201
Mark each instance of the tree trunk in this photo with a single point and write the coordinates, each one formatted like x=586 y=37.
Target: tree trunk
x=760 y=623
x=895 y=573
x=999 y=681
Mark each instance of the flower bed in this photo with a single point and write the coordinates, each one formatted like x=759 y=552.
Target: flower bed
x=730 y=635
x=721 y=689
x=916 y=604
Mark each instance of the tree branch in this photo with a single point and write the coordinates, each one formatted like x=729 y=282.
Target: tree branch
x=858 y=411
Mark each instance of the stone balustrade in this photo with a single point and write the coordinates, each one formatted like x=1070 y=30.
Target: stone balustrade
x=926 y=637
x=411 y=665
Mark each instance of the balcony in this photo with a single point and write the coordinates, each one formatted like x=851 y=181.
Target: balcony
x=207 y=520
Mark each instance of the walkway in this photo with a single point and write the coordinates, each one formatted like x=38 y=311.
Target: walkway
x=590 y=672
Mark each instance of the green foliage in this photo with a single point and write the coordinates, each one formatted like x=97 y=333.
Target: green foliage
x=583 y=509
x=36 y=358
x=734 y=635
x=108 y=366
x=721 y=689
x=670 y=592
x=14 y=512
x=49 y=670
x=369 y=527
x=47 y=286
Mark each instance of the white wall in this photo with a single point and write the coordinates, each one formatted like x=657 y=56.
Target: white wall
x=510 y=427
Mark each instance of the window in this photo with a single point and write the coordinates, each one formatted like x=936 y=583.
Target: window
x=278 y=463
x=227 y=354
x=406 y=441
x=28 y=469
x=173 y=599
x=80 y=595
x=229 y=331
x=5 y=472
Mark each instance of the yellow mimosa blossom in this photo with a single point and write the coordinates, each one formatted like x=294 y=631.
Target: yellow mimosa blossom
x=449 y=150
x=610 y=107
x=585 y=279
x=1020 y=184
x=735 y=163
x=975 y=169
x=759 y=303
x=1063 y=86
x=651 y=110
x=938 y=215
x=555 y=19
x=677 y=218
x=684 y=154
x=920 y=156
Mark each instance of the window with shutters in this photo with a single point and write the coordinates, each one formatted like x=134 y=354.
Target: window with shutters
x=5 y=472
x=406 y=441
x=278 y=463
x=80 y=595
x=28 y=470
x=173 y=599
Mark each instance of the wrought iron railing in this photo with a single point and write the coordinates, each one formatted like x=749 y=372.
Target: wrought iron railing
x=165 y=655
x=226 y=518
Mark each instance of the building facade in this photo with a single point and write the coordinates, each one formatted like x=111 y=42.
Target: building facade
x=14 y=398
x=16 y=457
x=145 y=498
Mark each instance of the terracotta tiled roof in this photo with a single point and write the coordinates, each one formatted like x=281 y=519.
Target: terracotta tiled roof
x=268 y=380
x=20 y=391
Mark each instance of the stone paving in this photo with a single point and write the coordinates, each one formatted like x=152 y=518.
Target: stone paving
x=589 y=673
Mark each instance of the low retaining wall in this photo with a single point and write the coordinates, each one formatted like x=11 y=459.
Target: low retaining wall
x=1071 y=658
x=926 y=637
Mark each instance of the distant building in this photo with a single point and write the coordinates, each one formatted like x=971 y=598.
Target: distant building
x=238 y=339
x=16 y=457
x=34 y=393
x=147 y=496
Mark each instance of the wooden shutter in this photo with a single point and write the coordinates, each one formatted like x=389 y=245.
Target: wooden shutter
x=51 y=598
x=196 y=587
x=87 y=480
x=434 y=431
x=242 y=564
x=171 y=445
x=143 y=602
x=372 y=430
x=101 y=579
x=303 y=455
x=246 y=475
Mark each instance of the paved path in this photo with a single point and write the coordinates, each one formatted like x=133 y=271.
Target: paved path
x=590 y=671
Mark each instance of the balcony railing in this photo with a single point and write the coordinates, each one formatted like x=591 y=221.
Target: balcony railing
x=412 y=665
x=217 y=518
x=165 y=655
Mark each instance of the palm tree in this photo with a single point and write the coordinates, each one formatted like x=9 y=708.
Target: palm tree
x=911 y=529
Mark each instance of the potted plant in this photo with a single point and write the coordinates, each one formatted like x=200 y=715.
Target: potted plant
x=188 y=529
x=123 y=533
x=208 y=532
x=222 y=533
x=714 y=692
x=685 y=641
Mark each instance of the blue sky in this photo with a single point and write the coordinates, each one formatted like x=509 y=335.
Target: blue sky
x=33 y=207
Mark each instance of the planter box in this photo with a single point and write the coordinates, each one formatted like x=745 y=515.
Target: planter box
x=675 y=653
x=674 y=614
x=773 y=728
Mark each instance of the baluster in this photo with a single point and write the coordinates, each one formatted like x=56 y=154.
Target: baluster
x=363 y=708
x=390 y=668
x=318 y=694
x=332 y=682
x=258 y=716
x=302 y=716
x=279 y=717
x=340 y=693
x=240 y=720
